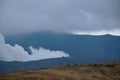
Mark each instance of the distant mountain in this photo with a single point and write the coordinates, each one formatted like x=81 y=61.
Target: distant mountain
x=82 y=48
x=73 y=44
x=14 y=66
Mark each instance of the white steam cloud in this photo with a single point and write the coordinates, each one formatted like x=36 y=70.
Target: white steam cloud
x=17 y=53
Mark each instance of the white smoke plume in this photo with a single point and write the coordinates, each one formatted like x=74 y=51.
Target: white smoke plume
x=17 y=53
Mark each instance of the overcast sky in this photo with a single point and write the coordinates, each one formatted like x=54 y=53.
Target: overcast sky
x=26 y=16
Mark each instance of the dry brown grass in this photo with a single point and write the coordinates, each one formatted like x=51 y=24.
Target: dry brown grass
x=106 y=71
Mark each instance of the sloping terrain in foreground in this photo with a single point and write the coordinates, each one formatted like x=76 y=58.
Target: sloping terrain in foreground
x=105 y=71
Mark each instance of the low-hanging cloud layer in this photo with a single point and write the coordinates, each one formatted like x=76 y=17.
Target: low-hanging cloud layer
x=17 y=53
x=66 y=16
x=114 y=32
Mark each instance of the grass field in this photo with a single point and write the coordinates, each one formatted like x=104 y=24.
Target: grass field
x=105 y=71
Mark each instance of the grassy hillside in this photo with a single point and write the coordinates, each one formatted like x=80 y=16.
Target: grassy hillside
x=106 y=71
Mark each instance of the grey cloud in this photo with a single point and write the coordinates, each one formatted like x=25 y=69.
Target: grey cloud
x=24 y=16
